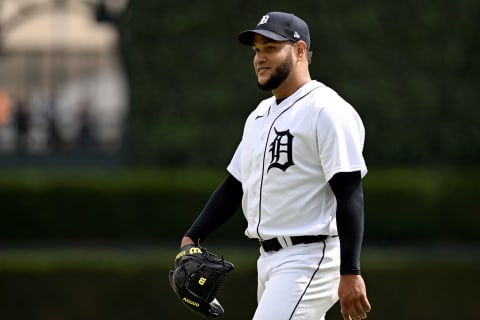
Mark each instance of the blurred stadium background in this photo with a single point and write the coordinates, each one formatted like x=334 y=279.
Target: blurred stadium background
x=118 y=117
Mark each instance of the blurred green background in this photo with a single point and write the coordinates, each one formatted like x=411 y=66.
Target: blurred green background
x=85 y=235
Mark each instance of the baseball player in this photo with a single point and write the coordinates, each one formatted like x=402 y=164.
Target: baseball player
x=297 y=174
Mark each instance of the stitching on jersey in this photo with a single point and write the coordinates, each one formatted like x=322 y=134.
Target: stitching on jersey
x=265 y=152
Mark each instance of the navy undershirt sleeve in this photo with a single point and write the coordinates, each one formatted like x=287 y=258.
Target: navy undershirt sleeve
x=222 y=205
x=347 y=187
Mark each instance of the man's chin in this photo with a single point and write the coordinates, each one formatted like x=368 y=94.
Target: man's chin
x=266 y=85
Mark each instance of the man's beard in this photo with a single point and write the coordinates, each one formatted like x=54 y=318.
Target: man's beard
x=278 y=76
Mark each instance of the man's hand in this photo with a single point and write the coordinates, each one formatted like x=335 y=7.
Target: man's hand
x=353 y=297
x=197 y=278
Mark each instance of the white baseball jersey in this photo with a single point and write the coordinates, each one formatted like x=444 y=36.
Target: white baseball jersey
x=286 y=157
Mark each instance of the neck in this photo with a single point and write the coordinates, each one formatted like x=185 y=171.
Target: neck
x=289 y=86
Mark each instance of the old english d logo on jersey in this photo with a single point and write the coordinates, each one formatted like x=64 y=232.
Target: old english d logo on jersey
x=281 y=150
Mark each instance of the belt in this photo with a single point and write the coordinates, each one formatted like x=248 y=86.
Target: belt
x=275 y=245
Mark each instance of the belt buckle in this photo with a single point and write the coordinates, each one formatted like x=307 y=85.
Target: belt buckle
x=287 y=242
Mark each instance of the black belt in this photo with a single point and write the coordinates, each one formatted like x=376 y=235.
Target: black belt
x=274 y=244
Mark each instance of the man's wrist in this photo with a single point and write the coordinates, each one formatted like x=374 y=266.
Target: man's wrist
x=350 y=272
x=186 y=241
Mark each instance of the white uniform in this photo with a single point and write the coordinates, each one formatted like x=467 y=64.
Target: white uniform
x=287 y=155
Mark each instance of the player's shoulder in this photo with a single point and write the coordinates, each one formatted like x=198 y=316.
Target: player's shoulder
x=327 y=99
x=326 y=94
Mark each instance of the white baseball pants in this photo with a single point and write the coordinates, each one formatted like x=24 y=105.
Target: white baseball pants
x=299 y=282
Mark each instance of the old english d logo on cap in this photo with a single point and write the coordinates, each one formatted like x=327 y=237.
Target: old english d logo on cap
x=278 y=26
x=263 y=20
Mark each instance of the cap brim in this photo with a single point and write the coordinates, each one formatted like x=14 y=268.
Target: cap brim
x=246 y=37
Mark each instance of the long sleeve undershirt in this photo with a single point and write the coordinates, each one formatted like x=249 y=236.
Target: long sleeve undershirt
x=221 y=206
x=347 y=187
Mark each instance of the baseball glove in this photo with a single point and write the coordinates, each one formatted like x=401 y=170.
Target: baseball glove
x=197 y=278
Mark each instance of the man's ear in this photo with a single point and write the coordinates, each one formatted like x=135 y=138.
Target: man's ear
x=301 y=48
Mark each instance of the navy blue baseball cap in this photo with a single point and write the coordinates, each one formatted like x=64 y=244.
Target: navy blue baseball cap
x=278 y=26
